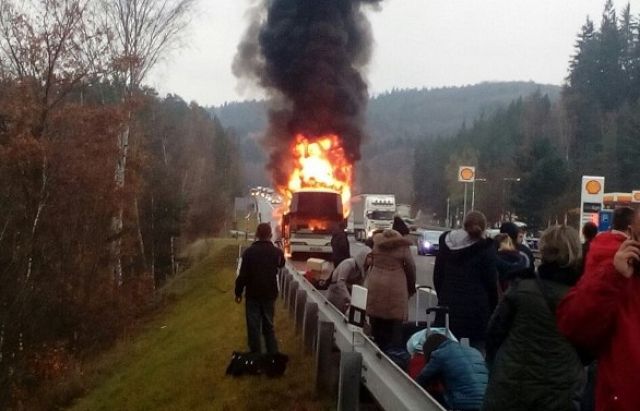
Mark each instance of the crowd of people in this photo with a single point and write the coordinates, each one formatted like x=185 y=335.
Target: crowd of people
x=563 y=334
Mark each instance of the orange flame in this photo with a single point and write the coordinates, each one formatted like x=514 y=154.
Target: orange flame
x=319 y=163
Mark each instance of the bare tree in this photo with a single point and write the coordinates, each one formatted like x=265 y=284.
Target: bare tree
x=143 y=32
x=52 y=45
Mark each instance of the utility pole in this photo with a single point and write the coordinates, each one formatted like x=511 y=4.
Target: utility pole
x=465 y=199
x=473 y=195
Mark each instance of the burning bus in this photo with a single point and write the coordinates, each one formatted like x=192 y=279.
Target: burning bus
x=313 y=216
x=316 y=198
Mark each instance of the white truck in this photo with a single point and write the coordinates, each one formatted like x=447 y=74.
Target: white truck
x=313 y=216
x=370 y=212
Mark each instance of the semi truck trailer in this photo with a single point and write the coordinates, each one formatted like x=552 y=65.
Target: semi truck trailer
x=370 y=212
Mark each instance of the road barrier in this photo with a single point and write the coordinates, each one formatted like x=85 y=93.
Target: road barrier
x=324 y=328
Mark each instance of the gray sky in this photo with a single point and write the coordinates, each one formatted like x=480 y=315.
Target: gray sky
x=419 y=43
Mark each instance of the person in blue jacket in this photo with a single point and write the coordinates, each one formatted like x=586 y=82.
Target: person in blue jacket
x=462 y=371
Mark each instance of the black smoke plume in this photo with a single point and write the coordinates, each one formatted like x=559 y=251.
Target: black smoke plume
x=309 y=55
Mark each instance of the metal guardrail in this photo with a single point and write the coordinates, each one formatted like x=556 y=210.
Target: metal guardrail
x=389 y=385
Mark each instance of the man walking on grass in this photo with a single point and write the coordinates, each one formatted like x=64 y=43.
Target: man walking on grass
x=257 y=279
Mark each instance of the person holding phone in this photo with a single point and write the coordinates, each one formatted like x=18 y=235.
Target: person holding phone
x=602 y=316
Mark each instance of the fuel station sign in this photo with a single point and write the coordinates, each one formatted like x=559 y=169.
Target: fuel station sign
x=591 y=198
x=466 y=174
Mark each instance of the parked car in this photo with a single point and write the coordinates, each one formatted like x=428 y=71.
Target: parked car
x=428 y=242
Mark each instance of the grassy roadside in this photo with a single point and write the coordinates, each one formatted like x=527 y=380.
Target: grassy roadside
x=178 y=362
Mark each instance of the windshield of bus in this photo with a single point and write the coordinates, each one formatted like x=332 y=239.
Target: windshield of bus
x=317 y=205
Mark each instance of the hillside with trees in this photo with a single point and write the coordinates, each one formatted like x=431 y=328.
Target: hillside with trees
x=101 y=181
x=401 y=116
x=593 y=129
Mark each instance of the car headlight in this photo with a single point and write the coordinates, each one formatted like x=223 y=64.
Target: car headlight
x=426 y=244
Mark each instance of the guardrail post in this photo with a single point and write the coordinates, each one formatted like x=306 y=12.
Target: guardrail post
x=301 y=300
x=281 y=280
x=349 y=382
x=291 y=297
x=285 y=286
x=309 y=326
x=325 y=378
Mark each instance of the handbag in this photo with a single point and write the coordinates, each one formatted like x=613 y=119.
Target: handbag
x=244 y=363
x=248 y=363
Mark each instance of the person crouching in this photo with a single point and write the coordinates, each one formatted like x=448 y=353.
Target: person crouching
x=460 y=369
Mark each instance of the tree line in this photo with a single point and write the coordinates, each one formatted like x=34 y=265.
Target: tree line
x=101 y=180
x=531 y=155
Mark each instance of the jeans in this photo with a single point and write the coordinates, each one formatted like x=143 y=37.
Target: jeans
x=259 y=315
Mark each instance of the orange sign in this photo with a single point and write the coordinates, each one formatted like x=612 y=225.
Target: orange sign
x=593 y=187
x=466 y=174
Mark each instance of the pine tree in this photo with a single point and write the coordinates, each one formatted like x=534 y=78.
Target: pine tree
x=583 y=64
x=610 y=84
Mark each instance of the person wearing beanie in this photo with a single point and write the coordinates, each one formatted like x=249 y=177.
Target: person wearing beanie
x=400 y=226
x=461 y=369
x=511 y=263
x=513 y=232
x=466 y=278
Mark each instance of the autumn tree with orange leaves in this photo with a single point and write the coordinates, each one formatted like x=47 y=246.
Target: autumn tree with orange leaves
x=66 y=101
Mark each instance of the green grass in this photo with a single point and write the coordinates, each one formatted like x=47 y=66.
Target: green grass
x=178 y=361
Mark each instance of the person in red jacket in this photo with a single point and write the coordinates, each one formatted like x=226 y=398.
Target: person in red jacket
x=601 y=314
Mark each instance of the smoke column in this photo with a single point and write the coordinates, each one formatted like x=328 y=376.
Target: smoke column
x=309 y=55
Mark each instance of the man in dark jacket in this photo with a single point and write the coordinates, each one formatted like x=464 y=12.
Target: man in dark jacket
x=257 y=278
x=461 y=369
x=465 y=278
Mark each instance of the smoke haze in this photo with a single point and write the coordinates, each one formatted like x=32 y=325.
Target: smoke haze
x=309 y=55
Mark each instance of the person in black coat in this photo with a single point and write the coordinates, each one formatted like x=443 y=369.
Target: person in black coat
x=257 y=279
x=340 y=249
x=465 y=278
x=532 y=366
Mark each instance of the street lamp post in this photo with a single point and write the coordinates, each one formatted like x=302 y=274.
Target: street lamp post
x=508 y=180
x=473 y=191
